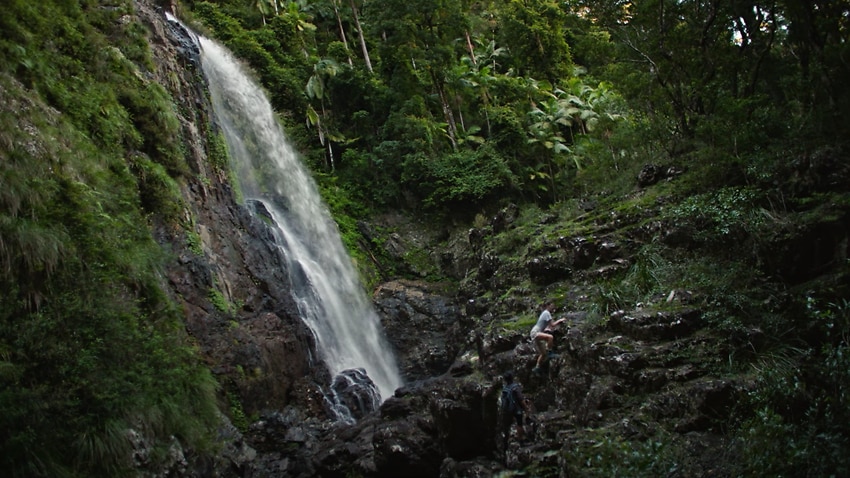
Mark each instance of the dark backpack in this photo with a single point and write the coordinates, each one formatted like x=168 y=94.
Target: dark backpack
x=510 y=405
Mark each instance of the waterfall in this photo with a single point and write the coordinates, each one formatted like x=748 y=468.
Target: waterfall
x=325 y=284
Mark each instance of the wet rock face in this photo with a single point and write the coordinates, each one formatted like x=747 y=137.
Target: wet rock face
x=406 y=447
x=664 y=325
x=465 y=422
x=413 y=434
x=431 y=420
x=356 y=392
x=425 y=329
x=653 y=173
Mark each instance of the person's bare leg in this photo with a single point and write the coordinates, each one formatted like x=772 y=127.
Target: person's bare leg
x=541 y=354
x=548 y=339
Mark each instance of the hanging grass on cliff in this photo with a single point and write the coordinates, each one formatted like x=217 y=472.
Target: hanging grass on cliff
x=92 y=351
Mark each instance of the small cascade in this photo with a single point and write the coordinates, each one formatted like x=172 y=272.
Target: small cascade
x=325 y=284
x=354 y=394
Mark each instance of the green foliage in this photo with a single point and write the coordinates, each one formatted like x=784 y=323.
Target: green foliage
x=523 y=323
x=193 y=242
x=152 y=112
x=219 y=157
x=90 y=345
x=613 y=455
x=613 y=159
x=721 y=217
x=217 y=154
x=264 y=48
x=732 y=290
x=100 y=355
x=372 y=169
x=437 y=107
x=533 y=33
x=640 y=282
x=237 y=413
x=464 y=177
x=573 y=124
x=345 y=209
x=219 y=301
x=158 y=191
x=800 y=422
x=512 y=241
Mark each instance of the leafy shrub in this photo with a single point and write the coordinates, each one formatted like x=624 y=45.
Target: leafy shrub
x=159 y=192
x=152 y=112
x=802 y=404
x=461 y=177
x=610 y=455
x=723 y=216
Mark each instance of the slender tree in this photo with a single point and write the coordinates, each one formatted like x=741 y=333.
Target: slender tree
x=317 y=89
x=360 y=35
x=342 y=31
x=263 y=7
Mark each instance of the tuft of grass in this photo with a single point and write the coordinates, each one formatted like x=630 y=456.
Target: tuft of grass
x=193 y=241
x=237 y=413
x=220 y=302
x=608 y=454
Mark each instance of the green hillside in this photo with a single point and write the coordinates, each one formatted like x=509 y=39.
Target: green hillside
x=90 y=344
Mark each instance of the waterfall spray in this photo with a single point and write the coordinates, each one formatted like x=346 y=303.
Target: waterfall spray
x=325 y=284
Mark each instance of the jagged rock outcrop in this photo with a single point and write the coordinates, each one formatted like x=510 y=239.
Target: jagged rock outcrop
x=356 y=392
x=415 y=432
x=425 y=328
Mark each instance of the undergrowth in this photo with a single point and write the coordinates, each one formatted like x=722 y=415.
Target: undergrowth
x=92 y=350
x=794 y=423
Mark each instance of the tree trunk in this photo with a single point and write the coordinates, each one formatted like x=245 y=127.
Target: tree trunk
x=362 y=38
x=469 y=46
x=447 y=111
x=342 y=33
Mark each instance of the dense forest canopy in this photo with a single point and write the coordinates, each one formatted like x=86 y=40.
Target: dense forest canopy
x=431 y=104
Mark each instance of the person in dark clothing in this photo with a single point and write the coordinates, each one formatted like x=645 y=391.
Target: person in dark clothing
x=514 y=408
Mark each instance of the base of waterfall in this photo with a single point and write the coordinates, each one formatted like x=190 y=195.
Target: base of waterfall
x=353 y=395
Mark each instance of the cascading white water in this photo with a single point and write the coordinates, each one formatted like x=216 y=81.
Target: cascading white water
x=325 y=283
